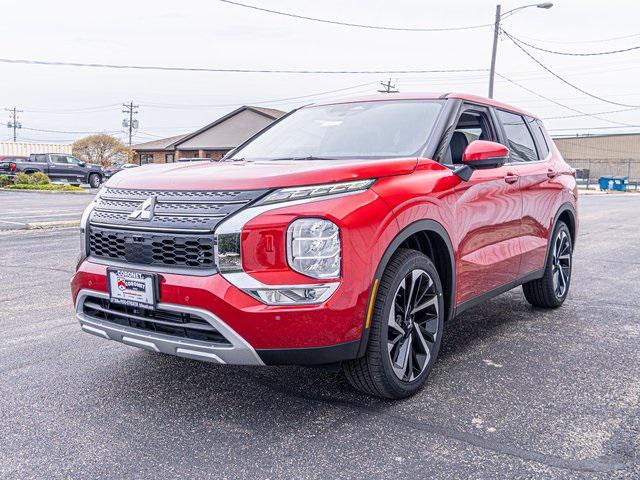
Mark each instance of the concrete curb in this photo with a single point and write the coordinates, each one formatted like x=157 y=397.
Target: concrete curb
x=52 y=225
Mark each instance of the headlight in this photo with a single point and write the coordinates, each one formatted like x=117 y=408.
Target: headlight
x=313 y=247
x=311 y=191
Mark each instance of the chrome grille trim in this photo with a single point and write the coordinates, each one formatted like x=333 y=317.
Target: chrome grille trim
x=182 y=213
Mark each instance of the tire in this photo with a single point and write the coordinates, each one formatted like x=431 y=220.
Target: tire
x=376 y=373
x=94 y=180
x=551 y=290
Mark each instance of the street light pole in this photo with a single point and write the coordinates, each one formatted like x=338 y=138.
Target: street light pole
x=496 y=33
x=494 y=51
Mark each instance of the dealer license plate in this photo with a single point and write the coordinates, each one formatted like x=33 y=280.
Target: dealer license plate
x=129 y=287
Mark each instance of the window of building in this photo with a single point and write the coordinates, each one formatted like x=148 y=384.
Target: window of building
x=169 y=158
x=146 y=158
x=520 y=142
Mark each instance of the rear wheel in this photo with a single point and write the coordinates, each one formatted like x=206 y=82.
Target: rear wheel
x=406 y=329
x=551 y=290
x=94 y=180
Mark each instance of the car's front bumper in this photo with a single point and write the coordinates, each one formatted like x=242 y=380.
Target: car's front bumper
x=255 y=334
x=236 y=351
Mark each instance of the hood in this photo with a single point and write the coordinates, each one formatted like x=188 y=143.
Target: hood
x=252 y=175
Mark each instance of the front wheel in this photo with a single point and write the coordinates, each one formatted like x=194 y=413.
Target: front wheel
x=551 y=290
x=406 y=329
x=94 y=180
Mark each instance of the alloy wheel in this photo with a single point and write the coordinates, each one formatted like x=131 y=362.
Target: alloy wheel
x=413 y=325
x=561 y=266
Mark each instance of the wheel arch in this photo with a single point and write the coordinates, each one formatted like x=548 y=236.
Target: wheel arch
x=567 y=214
x=431 y=238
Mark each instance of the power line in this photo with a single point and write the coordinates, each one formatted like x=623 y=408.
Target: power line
x=590 y=114
x=77 y=110
x=575 y=54
x=228 y=70
x=171 y=105
x=357 y=25
x=67 y=131
x=558 y=103
x=575 y=42
x=592 y=128
x=575 y=87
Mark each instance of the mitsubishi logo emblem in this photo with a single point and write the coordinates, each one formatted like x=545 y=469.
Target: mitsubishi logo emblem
x=144 y=211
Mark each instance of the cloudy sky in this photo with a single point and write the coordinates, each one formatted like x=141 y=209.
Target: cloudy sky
x=58 y=100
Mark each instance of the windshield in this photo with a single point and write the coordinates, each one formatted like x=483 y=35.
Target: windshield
x=380 y=129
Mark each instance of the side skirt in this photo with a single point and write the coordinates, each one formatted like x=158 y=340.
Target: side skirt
x=472 y=302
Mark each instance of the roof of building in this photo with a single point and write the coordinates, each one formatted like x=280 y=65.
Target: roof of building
x=172 y=142
x=160 y=144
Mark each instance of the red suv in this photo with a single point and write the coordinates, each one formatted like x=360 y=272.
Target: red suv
x=343 y=233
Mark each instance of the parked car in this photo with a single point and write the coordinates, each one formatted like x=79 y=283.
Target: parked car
x=8 y=164
x=58 y=167
x=345 y=233
x=117 y=167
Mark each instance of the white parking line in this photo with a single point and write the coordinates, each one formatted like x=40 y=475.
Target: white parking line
x=12 y=223
x=46 y=215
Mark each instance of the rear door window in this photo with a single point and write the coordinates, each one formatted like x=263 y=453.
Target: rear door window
x=519 y=140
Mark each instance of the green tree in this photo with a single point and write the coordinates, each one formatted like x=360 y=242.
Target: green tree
x=101 y=149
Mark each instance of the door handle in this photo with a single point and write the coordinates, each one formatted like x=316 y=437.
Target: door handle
x=511 y=178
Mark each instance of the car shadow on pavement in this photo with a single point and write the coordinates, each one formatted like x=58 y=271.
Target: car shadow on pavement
x=183 y=378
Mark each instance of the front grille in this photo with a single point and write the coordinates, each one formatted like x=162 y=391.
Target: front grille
x=177 y=324
x=173 y=210
x=155 y=249
x=179 y=233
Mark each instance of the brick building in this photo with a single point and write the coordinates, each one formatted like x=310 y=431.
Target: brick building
x=211 y=141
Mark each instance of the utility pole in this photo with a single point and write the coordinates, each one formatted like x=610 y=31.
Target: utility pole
x=388 y=87
x=130 y=123
x=496 y=32
x=14 y=123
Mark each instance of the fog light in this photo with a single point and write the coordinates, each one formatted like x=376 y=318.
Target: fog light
x=303 y=295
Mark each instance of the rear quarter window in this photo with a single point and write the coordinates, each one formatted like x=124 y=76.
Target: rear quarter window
x=538 y=132
x=519 y=140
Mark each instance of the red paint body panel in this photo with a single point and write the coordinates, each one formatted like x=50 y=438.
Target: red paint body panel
x=498 y=230
x=256 y=175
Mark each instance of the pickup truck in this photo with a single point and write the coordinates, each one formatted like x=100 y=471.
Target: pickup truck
x=59 y=167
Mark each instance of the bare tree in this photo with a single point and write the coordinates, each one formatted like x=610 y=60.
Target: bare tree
x=101 y=149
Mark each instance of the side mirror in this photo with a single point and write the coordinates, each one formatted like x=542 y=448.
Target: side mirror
x=481 y=154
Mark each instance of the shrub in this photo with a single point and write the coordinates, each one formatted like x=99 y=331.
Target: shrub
x=4 y=180
x=21 y=178
x=39 y=178
x=50 y=187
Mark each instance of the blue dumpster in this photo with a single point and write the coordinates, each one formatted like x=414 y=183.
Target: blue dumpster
x=610 y=182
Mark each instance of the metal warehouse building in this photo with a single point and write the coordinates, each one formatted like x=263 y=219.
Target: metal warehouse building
x=598 y=155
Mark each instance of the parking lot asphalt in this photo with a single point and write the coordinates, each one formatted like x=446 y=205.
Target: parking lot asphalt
x=17 y=209
x=516 y=392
